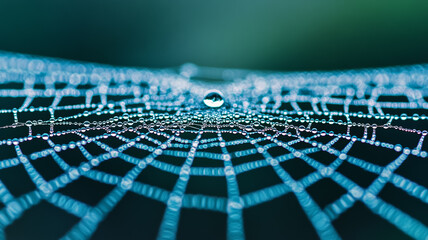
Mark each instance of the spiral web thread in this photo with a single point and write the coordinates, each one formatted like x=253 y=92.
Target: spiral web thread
x=155 y=118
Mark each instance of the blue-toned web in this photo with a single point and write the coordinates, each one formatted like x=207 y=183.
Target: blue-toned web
x=357 y=135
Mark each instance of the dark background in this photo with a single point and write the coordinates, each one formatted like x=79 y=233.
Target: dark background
x=268 y=34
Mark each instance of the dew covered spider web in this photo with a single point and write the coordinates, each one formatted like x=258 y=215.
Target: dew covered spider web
x=101 y=152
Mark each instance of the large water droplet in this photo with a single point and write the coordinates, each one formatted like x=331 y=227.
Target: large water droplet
x=214 y=99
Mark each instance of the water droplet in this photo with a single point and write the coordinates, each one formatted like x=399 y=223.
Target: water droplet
x=28 y=123
x=45 y=136
x=214 y=99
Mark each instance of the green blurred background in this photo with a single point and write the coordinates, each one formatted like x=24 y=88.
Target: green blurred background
x=269 y=34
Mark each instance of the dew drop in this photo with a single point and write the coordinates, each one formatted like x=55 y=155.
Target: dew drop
x=86 y=123
x=45 y=136
x=415 y=117
x=213 y=99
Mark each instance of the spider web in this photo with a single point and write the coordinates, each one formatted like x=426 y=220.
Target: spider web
x=329 y=151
